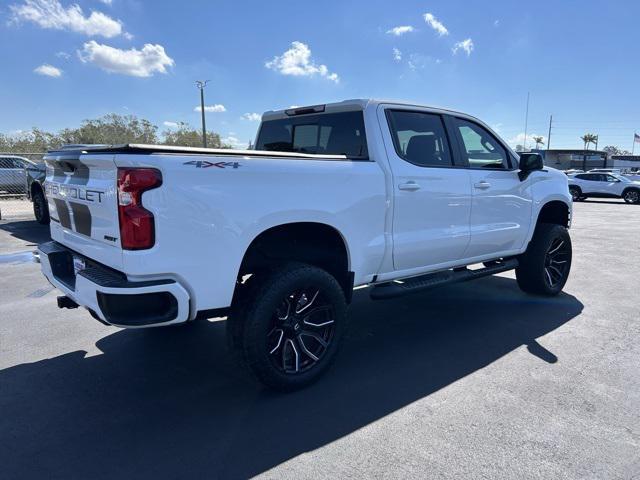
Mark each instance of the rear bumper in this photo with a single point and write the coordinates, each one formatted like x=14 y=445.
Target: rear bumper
x=109 y=295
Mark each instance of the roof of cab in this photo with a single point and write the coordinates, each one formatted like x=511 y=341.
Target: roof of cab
x=354 y=104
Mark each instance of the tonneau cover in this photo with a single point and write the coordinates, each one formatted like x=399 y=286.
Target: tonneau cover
x=151 y=149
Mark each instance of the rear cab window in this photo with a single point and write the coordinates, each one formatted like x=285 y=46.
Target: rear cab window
x=340 y=133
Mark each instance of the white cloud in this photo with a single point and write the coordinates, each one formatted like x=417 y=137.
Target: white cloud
x=466 y=45
x=48 y=70
x=496 y=23
x=252 y=117
x=136 y=63
x=51 y=14
x=217 y=108
x=400 y=30
x=418 y=61
x=397 y=55
x=297 y=62
x=436 y=24
x=235 y=142
x=171 y=124
x=63 y=55
x=519 y=139
x=107 y=2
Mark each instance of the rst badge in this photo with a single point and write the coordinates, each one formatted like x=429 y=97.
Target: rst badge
x=207 y=164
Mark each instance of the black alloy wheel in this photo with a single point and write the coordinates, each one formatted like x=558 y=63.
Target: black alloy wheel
x=302 y=331
x=289 y=324
x=557 y=262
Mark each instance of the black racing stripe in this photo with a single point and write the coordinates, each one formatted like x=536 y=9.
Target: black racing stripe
x=81 y=218
x=63 y=213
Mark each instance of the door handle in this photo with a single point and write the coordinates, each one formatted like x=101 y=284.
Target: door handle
x=409 y=186
x=482 y=185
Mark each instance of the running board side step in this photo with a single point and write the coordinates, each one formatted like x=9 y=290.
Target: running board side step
x=409 y=285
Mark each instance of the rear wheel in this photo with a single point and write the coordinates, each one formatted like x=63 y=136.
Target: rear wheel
x=544 y=267
x=631 y=196
x=40 y=207
x=292 y=327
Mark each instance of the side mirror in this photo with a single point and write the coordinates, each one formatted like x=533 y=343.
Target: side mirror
x=529 y=162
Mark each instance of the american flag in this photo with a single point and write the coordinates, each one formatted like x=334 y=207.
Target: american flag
x=636 y=138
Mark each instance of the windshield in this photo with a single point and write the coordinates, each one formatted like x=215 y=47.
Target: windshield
x=330 y=134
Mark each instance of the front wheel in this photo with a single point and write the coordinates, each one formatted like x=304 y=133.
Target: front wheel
x=293 y=325
x=631 y=196
x=544 y=267
x=576 y=194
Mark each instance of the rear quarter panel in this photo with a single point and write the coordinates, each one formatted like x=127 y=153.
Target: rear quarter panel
x=208 y=215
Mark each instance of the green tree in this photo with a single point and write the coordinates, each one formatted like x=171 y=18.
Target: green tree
x=613 y=150
x=186 y=136
x=589 y=138
x=32 y=141
x=539 y=141
x=112 y=129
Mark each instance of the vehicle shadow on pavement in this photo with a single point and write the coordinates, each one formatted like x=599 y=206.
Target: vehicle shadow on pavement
x=171 y=403
x=27 y=230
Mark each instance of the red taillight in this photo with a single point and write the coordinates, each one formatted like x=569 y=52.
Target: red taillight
x=137 y=230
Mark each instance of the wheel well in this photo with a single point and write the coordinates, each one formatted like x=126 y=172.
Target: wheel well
x=555 y=212
x=576 y=187
x=630 y=188
x=308 y=242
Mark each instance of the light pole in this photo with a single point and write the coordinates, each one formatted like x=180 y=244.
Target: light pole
x=201 y=84
x=526 y=122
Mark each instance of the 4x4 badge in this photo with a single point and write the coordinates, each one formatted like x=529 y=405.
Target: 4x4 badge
x=207 y=164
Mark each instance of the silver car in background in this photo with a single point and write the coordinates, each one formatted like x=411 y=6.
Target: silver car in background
x=13 y=179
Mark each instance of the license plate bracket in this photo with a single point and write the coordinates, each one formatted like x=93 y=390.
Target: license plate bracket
x=79 y=264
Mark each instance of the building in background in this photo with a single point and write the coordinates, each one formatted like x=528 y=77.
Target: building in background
x=626 y=162
x=565 y=159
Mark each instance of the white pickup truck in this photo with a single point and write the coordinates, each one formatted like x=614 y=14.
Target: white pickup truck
x=396 y=196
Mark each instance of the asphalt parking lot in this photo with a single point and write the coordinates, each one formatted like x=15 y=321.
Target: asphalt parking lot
x=474 y=380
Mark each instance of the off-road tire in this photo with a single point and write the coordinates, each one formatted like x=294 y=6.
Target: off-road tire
x=537 y=272
x=258 y=313
x=40 y=207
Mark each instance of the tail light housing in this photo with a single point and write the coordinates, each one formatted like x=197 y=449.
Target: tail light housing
x=137 y=226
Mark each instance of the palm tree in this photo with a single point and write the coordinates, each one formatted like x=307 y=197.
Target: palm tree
x=587 y=138
x=539 y=141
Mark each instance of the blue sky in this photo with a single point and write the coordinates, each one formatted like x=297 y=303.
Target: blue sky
x=64 y=62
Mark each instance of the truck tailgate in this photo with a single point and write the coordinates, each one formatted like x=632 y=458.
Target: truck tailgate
x=81 y=190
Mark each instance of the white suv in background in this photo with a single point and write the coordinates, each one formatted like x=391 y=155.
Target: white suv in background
x=603 y=185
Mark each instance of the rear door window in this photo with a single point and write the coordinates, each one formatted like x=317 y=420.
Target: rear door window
x=325 y=134
x=420 y=138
